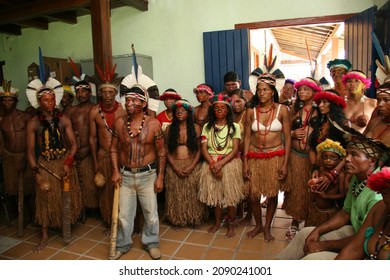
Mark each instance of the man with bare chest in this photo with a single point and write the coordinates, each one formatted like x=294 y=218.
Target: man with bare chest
x=138 y=161
x=13 y=147
x=359 y=107
x=79 y=116
x=101 y=120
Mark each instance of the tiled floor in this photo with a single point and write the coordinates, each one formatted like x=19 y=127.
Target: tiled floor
x=90 y=243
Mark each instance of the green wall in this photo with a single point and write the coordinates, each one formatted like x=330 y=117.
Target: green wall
x=171 y=32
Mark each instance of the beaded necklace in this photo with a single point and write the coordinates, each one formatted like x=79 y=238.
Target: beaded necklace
x=110 y=115
x=309 y=114
x=357 y=188
x=219 y=143
x=131 y=134
x=385 y=246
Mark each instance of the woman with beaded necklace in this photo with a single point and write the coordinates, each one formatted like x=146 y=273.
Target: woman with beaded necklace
x=181 y=178
x=372 y=241
x=304 y=115
x=267 y=145
x=221 y=184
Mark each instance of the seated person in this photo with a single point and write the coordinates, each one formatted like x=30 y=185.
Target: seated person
x=363 y=155
x=325 y=201
x=373 y=239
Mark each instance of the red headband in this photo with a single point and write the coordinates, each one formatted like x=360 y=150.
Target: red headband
x=330 y=96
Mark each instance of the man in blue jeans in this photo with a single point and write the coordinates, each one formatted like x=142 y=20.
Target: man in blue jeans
x=138 y=160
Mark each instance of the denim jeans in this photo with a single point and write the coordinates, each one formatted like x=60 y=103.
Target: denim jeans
x=138 y=185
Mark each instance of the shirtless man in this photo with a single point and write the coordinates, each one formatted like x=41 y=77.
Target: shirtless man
x=138 y=161
x=338 y=68
x=13 y=147
x=231 y=82
x=79 y=116
x=55 y=163
x=359 y=107
x=203 y=94
x=101 y=120
x=67 y=99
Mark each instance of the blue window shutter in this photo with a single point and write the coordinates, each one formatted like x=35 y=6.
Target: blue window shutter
x=226 y=51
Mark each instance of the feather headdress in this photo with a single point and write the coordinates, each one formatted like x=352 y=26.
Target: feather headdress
x=78 y=76
x=44 y=84
x=137 y=77
x=6 y=90
x=106 y=76
x=269 y=66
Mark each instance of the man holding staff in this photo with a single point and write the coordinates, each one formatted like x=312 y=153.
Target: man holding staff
x=138 y=160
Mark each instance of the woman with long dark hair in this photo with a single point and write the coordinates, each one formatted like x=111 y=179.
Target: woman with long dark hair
x=181 y=181
x=267 y=144
x=221 y=182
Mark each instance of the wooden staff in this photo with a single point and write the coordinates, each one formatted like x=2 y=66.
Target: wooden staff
x=114 y=221
x=66 y=213
x=20 y=205
x=48 y=169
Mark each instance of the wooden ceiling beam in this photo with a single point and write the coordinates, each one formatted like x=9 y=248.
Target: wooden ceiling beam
x=37 y=8
x=141 y=5
x=66 y=17
x=39 y=23
x=11 y=29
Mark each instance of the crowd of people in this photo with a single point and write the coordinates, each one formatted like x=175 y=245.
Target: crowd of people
x=327 y=150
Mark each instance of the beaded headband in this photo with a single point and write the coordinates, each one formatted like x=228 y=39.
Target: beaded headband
x=331 y=97
x=88 y=87
x=331 y=146
x=357 y=75
x=138 y=92
x=267 y=78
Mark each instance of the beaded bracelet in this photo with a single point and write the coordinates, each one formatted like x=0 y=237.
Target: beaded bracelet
x=334 y=172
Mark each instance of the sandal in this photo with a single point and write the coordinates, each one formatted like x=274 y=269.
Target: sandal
x=291 y=232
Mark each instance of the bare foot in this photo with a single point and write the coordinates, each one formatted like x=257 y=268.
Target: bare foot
x=268 y=237
x=230 y=232
x=40 y=246
x=214 y=228
x=255 y=231
x=246 y=221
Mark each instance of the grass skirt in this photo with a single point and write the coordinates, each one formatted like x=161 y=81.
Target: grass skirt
x=49 y=204
x=11 y=164
x=228 y=191
x=298 y=198
x=86 y=175
x=182 y=205
x=106 y=195
x=316 y=216
x=264 y=180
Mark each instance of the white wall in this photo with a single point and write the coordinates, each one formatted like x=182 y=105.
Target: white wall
x=171 y=32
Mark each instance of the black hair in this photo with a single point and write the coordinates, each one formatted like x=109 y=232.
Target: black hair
x=173 y=133
x=229 y=118
x=255 y=98
x=231 y=76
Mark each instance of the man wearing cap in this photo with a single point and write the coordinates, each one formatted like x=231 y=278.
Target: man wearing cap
x=138 y=161
x=67 y=99
x=13 y=147
x=231 y=82
x=165 y=117
x=338 y=68
x=101 y=120
x=324 y=241
x=54 y=165
x=359 y=107
x=79 y=116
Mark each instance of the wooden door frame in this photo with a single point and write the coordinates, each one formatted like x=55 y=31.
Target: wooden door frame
x=295 y=21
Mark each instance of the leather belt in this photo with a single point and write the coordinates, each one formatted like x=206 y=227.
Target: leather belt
x=148 y=167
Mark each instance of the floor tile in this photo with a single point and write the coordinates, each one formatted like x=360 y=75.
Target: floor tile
x=219 y=254
x=191 y=252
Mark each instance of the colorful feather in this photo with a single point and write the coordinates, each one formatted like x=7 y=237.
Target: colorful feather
x=100 y=72
x=135 y=63
x=269 y=62
x=42 y=74
x=74 y=68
